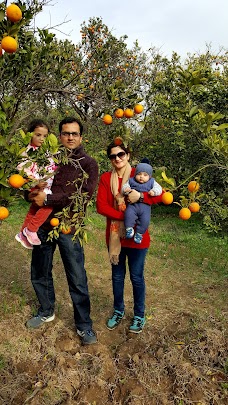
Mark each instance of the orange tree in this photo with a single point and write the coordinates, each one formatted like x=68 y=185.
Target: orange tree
x=54 y=78
x=183 y=129
x=106 y=76
x=50 y=78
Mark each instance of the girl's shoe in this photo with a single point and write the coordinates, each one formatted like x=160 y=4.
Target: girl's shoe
x=32 y=237
x=23 y=240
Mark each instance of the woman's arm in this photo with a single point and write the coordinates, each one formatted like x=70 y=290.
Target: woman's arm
x=105 y=200
x=144 y=197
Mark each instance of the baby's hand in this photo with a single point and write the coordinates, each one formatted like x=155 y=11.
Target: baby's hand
x=151 y=193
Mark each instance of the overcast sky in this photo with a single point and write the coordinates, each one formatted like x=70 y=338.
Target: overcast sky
x=183 y=26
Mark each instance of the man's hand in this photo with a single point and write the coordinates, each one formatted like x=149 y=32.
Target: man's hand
x=39 y=198
x=133 y=197
x=41 y=185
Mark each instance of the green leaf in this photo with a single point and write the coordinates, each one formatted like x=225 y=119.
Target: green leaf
x=193 y=111
x=2 y=15
x=221 y=127
x=170 y=181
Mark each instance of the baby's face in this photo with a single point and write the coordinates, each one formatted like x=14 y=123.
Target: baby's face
x=142 y=177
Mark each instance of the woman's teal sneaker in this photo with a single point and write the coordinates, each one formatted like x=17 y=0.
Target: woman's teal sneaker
x=114 y=321
x=137 y=324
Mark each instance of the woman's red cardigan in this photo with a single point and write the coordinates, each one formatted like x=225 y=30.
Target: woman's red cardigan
x=105 y=202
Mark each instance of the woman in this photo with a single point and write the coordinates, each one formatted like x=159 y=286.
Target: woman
x=110 y=203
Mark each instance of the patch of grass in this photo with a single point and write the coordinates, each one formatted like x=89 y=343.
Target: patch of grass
x=2 y=362
x=187 y=240
x=18 y=209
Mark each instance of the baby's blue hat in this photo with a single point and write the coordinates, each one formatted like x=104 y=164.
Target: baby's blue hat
x=144 y=167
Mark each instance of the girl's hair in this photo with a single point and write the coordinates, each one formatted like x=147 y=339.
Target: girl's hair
x=117 y=142
x=37 y=123
x=70 y=120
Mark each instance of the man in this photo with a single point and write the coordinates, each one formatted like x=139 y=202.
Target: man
x=72 y=254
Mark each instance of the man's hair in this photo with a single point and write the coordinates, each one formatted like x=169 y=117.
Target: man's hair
x=70 y=120
x=37 y=123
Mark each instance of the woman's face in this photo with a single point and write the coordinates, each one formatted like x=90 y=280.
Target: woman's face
x=118 y=157
x=39 y=135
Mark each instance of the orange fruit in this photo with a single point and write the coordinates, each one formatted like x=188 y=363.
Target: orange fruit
x=80 y=96
x=167 y=198
x=118 y=141
x=4 y=213
x=54 y=222
x=9 y=44
x=16 y=181
x=13 y=13
x=185 y=213
x=66 y=231
x=128 y=113
x=138 y=108
x=194 y=206
x=119 y=113
x=107 y=119
x=193 y=186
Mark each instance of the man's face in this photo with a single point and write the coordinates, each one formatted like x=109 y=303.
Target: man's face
x=70 y=135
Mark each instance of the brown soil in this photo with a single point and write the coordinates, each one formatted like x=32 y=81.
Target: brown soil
x=180 y=358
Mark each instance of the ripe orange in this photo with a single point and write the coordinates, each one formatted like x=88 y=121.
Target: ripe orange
x=54 y=222
x=4 y=213
x=119 y=113
x=128 y=113
x=107 y=119
x=193 y=186
x=80 y=96
x=13 y=13
x=185 y=213
x=16 y=180
x=118 y=141
x=9 y=44
x=194 y=206
x=66 y=231
x=138 y=108
x=167 y=198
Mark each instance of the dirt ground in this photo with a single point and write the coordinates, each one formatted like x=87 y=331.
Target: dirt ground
x=180 y=358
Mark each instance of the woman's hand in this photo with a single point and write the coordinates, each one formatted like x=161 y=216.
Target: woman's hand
x=133 y=197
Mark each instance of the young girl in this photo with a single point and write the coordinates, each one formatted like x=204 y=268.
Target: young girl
x=36 y=215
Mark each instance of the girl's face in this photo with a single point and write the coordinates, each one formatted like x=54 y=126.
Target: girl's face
x=39 y=135
x=118 y=157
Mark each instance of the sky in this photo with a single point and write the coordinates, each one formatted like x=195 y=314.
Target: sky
x=183 y=26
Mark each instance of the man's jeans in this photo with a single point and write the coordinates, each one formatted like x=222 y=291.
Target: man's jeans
x=72 y=255
x=136 y=260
